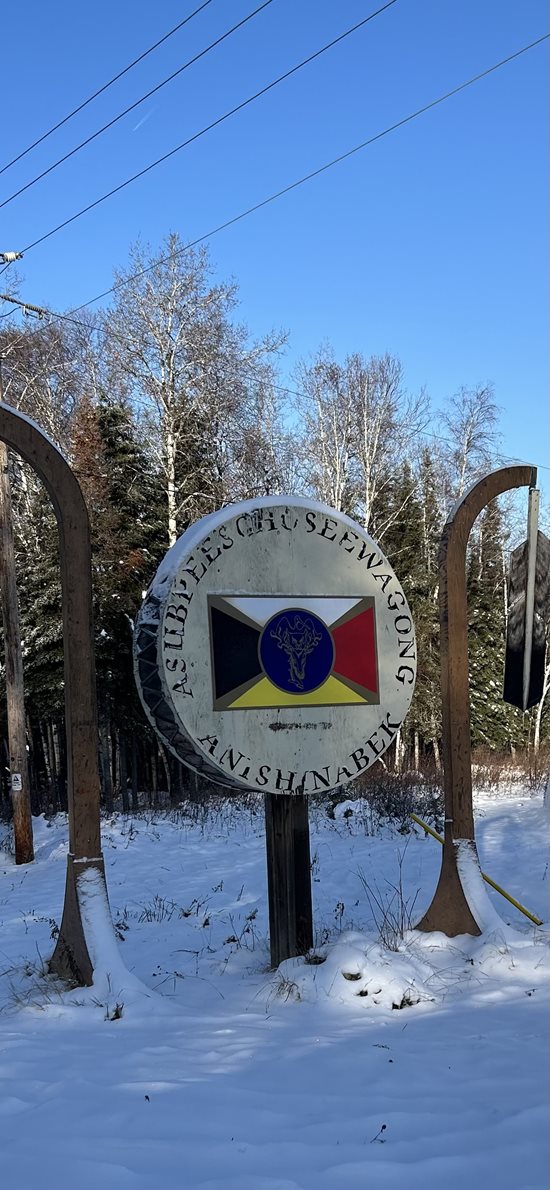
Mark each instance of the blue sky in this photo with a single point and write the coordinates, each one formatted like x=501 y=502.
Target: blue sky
x=430 y=244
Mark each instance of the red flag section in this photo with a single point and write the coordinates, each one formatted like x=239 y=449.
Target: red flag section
x=355 y=650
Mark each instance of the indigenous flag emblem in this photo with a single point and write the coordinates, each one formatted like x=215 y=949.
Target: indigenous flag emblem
x=270 y=651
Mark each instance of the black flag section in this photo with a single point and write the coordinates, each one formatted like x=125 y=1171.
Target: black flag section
x=234 y=642
x=528 y=611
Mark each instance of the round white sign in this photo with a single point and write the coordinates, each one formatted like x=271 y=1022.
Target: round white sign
x=275 y=648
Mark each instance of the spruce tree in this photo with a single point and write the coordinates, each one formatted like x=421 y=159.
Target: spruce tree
x=410 y=511
x=124 y=501
x=40 y=608
x=494 y=723
x=398 y=515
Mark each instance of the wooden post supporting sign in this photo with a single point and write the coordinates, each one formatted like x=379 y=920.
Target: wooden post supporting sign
x=288 y=876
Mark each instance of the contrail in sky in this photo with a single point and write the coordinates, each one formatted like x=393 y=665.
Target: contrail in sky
x=144 y=118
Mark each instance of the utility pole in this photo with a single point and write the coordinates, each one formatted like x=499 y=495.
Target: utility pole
x=19 y=768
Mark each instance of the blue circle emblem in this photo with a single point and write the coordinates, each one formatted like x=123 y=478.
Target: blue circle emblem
x=296 y=651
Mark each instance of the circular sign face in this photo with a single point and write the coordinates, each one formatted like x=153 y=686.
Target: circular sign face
x=275 y=648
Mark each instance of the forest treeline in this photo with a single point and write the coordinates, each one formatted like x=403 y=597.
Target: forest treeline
x=167 y=409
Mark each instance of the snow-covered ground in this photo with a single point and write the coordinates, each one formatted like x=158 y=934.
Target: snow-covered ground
x=371 y=1069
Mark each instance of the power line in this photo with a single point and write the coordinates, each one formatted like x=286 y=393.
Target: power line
x=88 y=140
x=40 y=311
x=308 y=177
x=292 y=186
x=105 y=86
x=214 y=124
x=44 y=312
x=293 y=392
x=6 y=298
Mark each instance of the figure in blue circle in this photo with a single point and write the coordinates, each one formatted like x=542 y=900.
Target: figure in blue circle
x=296 y=651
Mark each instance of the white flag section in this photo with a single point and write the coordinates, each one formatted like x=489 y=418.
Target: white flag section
x=262 y=608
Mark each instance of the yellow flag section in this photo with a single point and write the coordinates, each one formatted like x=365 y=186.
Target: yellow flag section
x=265 y=694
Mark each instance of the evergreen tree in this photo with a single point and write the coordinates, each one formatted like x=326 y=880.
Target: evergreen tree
x=408 y=517
x=124 y=499
x=494 y=723
x=398 y=516
x=40 y=607
x=427 y=701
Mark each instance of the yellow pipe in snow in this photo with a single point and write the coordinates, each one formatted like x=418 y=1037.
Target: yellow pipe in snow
x=487 y=879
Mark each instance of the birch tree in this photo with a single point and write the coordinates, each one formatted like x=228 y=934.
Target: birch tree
x=471 y=422
x=359 y=424
x=189 y=371
x=327 y=432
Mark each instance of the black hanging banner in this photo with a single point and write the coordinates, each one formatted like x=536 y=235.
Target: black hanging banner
x=528 y=610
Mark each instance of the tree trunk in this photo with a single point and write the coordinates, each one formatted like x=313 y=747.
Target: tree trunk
x=123 y=771
x=171 y=486
x=34 y=783
x=437 y=755
x=540 y=708
x=176 y=788
x=13 y=660
x=134 y=777
x=166 y=767
x=115 y=758
x=58 y=739
x=4 y=768
x=52 y=764
x=398 y=752
x=52 y=804
x=105 y=762
x=194 y=792
x=153 y=794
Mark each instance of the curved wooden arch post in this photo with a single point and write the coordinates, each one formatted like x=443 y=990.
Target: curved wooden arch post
x=450 y=910
x=71 y=958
